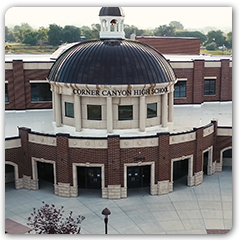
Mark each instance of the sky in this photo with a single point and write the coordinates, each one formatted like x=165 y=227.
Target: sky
x=142 y=17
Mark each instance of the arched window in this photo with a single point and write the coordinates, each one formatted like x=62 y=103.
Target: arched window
x=114 y=25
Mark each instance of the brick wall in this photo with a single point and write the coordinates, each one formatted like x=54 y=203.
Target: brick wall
x=115 y=157
x=173 y=45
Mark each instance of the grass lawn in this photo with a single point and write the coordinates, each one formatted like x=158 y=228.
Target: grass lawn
x=216 y=52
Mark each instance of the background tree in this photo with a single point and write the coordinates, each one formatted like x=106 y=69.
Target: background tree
x=228 y=42
x=50 y=220
x=177 y=25
x=195 y=34
x=9 y=36
x=217 y=37
x=95 y=30
x=55 y=34
x=71 y=34
x=164 y=30
x=30 y=37
x=42 y=34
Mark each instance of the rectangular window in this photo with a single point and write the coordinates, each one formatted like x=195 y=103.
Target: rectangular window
x=180 y=89
x=125 y=112
x=209 y=87
x=6 y=93
x=41 y=92
x=151 y=110
x=69 y=110
x=94 y=112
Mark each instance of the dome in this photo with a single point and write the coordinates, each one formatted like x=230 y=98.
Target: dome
x=111 y=62
x=111 y=11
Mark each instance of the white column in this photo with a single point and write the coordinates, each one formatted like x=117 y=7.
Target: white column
x=77 y=113
x=170 y=107
x=142 y=113
x=109 y=115
x=57 y=106
x=164 y=110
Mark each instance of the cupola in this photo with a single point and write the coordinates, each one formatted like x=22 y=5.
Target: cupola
x=112 y=23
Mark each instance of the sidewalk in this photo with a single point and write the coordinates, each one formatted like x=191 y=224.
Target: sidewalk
x=202 y=209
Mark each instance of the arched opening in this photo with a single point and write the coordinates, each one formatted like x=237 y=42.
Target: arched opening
x=182 y=172
x=227 y=159
x=114 y=25
x=9 y=175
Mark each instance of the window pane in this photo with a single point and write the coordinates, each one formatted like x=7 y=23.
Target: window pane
x=151 y=110
x=180 y=89
x=41 y=92
x=69 y=110
x=125 y=112
x=94 y=112
x=6 y=93
x=209 y=87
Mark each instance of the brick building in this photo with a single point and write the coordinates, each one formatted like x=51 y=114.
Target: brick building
x=116 y=96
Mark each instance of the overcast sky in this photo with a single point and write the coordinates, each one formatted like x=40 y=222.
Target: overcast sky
x=142 y=17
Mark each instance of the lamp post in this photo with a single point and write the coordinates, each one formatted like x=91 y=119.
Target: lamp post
x=106 y=212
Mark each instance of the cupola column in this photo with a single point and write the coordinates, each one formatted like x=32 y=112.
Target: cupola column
x=109 y=115
x=57 y=108
x=164 y=110
x=170 y=105
x=77 y=112
x=142 y=115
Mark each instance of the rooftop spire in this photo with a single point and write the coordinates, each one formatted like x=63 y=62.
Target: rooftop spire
x=112 y=23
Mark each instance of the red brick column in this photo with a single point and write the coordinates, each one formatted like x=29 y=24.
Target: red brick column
x=113 y=163
x=63 y=165
x=19 y=86
x=164 y=161
x=197 y=158
x=198 y=81
x=225 y=86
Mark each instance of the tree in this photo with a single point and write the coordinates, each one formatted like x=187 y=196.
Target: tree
x=217 y=37
x=30 y=37
x=49 y=220
x=42 y=34
x=195 y=34
x=177 y=25
x=164 y=30
x=9 y=37
x=55 y=34
x=71 y=34
x=228 y=42
x=211 y=46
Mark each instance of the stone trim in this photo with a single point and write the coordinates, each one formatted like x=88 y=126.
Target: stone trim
x=41 y=139
x=13 y=143
x=87 y=143
x=181 y=138
x=139 y=142
x=198 y=178
x=181 y=64
x=163 y=187
x=207 y=131
x=224 y=132
x=215 y=64
x=210 y=160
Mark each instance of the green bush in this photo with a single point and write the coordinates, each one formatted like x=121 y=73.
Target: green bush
x=211 y=46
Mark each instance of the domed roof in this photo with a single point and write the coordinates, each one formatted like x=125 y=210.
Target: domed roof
x=111 y=11
x=111 y=62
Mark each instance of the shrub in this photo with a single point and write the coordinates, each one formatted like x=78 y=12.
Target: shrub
x=211 y=46
x=50 y=220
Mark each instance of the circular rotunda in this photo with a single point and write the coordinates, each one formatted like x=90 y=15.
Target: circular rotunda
x=113 y=83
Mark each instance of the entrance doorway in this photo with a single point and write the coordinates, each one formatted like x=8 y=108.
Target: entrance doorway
x=205 y=162
x=89 y=177
x=180 y=171
x=138 y=176
x=45 y=174
x=227 y=159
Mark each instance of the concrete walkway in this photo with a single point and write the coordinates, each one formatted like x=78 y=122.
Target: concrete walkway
x=187 y=210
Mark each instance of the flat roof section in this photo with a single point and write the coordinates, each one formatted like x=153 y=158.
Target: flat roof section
x=185 y=117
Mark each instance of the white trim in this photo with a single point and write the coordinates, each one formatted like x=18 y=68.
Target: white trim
x=38 y=81
x=181 y=79
x=209 y=78
x=224 y=132
x=152 y=177
x=210 y=160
